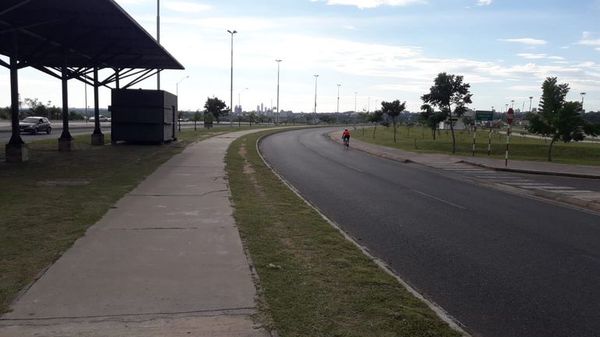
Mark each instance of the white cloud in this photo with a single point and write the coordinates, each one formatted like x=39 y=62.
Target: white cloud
x=532 y=56
x=484 y=2
x=374 y=3
x=588 y=39
x=186 y=7
x=526 y=41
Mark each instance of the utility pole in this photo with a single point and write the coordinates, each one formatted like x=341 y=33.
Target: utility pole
x=315 y=111
x=338 y=99
x=231 y=82
x=277 y=112
x=158 y=40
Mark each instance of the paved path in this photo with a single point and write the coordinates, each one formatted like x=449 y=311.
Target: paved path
x=167 y=260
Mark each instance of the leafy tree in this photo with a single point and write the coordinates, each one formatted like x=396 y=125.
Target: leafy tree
x=252 y=118
x=196 y=118
x=559 y=119
x=36 y=108
x=208 y=120
x=216 y=107
x=451 y=96
x=76 y=116
x=376 y=118
x=5 y=113
x=393 y=110
x=431 y=118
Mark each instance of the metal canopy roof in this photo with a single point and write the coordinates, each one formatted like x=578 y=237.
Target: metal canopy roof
x=91 y=33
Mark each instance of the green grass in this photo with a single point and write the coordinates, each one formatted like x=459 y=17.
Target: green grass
x=41 y=215
x=521 y=148
x=313 y=281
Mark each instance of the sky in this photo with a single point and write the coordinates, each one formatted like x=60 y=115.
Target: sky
x=378 y=50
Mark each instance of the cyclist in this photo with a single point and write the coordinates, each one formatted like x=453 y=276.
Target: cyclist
x=346 y=137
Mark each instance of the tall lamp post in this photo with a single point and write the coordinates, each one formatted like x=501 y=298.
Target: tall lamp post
x=582 y=97
x=338 y=99
x=355 y=93
x=177 y=94
x=158 y=40
x=315 y=111
x=530 y=103
x=231 y=82
x=277 y=112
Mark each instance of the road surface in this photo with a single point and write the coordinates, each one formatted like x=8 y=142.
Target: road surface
x=504 y=265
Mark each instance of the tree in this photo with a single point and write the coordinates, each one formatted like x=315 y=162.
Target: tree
x=468 y=121
x=376 y=117
x=451 y=96
x=252 y=118
x=197 y=117
x=559 y=119
x=393 y=110
x=216 y=107
x=431 y=118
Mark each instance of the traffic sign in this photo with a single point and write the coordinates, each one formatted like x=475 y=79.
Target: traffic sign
x=484 y=115
x=510 y=116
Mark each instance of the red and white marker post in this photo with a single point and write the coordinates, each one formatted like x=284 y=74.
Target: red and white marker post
x=510 y=117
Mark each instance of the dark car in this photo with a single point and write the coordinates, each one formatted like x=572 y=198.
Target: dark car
x=35 y=125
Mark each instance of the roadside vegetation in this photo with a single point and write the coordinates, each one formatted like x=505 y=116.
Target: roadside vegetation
x=420 y=139
x=50 y=201
x=314 y=282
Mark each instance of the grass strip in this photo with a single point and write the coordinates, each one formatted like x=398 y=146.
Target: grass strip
x=313 y=281
x=419 y=139
x=49 y=201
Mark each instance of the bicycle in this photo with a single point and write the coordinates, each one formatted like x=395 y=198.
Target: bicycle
x=346 y=141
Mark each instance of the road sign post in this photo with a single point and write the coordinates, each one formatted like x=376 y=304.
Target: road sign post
x=510 y=116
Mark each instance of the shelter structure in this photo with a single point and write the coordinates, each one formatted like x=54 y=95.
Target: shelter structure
x=74 y=39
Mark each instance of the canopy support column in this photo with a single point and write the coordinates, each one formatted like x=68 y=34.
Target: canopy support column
x=97 y=136
x=16 y=150
x=65 y=142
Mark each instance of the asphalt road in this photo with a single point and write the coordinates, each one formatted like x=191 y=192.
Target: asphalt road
x=501 y=264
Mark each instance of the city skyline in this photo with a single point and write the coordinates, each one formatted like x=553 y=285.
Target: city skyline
x=380 y=49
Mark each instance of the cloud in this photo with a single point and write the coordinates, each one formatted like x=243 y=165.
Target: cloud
x=531 y=56
x=588 y=39
x=526 y=41
x=484 y=2
x=362 y=4
x=186 y=7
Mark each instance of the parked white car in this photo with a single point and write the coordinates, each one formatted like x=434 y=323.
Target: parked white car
x=101 y=118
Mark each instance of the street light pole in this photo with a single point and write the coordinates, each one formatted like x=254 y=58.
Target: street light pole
x=177 y=95
x=338 y=99
x=277 y=112
x=530 y=102
x=582 y=96
x=158 y=40
x=315 y=111
x=231 y=82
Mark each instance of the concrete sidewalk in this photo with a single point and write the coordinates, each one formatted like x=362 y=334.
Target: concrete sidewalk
x=167 y=260
x=590 y=201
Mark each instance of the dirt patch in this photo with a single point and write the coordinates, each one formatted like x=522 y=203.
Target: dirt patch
x=249 y=171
